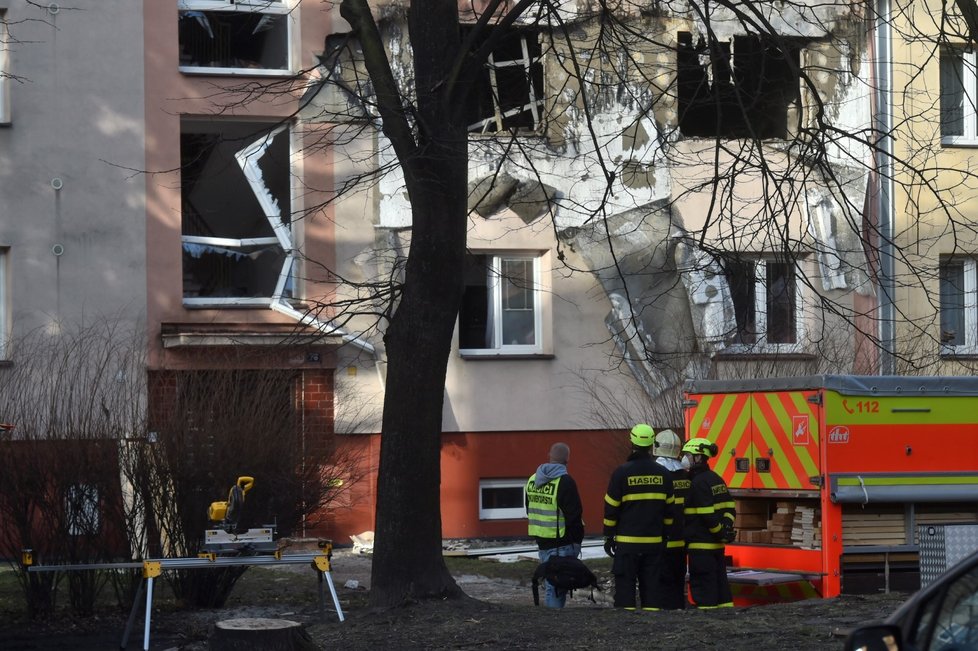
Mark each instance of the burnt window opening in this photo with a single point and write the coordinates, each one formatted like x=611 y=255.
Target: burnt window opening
x=508 y=93
x=742 y=88
x=247 y=34
x=236 y=211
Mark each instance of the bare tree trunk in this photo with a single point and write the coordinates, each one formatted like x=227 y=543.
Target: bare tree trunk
x=407 y=561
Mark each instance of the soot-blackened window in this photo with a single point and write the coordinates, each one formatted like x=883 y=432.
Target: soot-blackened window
x=742 y=88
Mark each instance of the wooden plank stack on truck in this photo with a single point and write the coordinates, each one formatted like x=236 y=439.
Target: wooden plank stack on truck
x=833 y=474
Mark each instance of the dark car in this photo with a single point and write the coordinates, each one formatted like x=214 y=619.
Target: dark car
x=941 y=617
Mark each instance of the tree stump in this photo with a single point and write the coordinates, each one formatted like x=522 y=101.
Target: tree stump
x=260 y=634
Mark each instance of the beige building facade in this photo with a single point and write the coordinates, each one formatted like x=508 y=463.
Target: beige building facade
x=227 y=186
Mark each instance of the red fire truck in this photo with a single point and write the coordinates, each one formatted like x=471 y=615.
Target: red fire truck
x=834 y=475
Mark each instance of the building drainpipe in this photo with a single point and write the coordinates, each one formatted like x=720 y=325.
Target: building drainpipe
x=883 y=156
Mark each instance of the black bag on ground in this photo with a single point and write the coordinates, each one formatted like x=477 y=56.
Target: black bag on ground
x=566 y=574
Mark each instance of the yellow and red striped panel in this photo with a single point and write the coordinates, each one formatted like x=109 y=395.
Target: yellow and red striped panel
x=780 y=427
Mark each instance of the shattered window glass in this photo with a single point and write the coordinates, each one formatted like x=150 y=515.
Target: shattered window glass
x=234 y=35
x=509 y=91
x=236 y=211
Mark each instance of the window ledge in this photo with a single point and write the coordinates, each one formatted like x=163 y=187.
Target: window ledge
x=475 y=357
x=763 y=354
x=959 y=142
x=959 y=352
x=234 y=72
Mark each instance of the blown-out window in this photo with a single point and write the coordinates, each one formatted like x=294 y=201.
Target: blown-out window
x=767 y=304
x=234 y=36
x=236 y=212
x=959 y=307
x=737 y=88
x=501 y=307
x=509 y=91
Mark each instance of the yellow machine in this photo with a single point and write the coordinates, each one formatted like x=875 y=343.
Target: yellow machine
x=225 y=539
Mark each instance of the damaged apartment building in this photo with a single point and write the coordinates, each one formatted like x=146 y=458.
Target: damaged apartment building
x=656 y=194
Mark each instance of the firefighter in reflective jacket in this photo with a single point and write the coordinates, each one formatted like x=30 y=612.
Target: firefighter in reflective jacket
x=638 y=508
x=709 y=514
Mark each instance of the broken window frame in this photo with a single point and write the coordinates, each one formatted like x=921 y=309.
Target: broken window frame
x=761 y=345
x=247 y=159
x=502 y=513
x=534 y=104
x=4 y=70
x=958 y=66
x=495 y=309
x=270 y=8
x=964 y=310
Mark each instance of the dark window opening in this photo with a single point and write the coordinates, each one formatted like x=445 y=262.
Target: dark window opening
x=952 y=303
x=781 y=319
x=234 y=39
x=741 y=277
x=502 y=497
x=508 y=93
x=230 y=249
x=739 y=92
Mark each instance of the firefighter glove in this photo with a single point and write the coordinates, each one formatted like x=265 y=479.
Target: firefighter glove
x=727 y=533
x=609 y=546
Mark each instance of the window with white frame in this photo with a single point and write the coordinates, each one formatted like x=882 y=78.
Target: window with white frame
x=767 y=303
x=502 y=499
x=509 y=91
x=4 y=69
x=959 y=306
x=958 y=96
x=82 y=514
x=234 y=36
x=236 y=186
x=501 y=306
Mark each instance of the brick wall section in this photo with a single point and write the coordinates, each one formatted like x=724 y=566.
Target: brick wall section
x=314 y=406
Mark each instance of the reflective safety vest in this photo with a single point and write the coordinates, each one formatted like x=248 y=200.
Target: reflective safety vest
x=544 y=517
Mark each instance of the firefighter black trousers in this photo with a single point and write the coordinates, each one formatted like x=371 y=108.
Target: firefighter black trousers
x=643 y=567
x=708 y=586
x=672 y=580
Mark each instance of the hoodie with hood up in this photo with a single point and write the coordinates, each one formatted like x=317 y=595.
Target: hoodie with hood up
x=568 y=501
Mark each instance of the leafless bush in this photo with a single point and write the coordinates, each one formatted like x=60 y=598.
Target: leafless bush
x=230 y=423
x=83 y=481
x=71 y=395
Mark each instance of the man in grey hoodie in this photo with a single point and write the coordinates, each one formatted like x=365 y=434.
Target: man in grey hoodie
x=554 y=510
